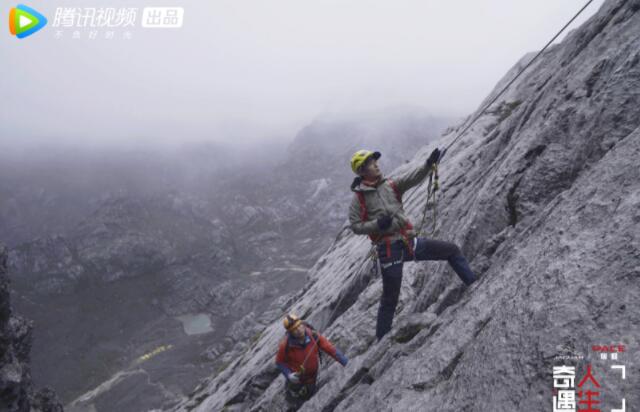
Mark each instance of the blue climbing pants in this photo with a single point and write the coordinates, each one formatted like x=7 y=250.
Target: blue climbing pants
x=392 y=257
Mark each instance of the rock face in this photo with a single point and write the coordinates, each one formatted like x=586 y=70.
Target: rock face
x=16 y=387
x=543 y=196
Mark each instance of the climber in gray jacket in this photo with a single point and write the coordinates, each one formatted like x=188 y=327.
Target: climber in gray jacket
x=377 y=211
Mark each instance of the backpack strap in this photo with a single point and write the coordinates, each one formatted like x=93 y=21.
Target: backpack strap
x=408 y=226
x=395 y=189
x=363 y=206
x=314 y=332
x=315 y=337
x=364 y=214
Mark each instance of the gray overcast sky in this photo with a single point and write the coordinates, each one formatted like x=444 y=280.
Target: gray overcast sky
x=240 y=70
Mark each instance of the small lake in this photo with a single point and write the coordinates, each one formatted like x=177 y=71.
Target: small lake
x=195 y=324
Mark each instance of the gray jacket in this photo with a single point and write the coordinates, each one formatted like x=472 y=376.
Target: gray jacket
x=381 y=200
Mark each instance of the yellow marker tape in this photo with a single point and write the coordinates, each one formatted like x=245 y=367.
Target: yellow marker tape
x=153 y=353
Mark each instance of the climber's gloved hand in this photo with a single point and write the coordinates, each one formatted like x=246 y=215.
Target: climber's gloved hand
x=384 y=222
x=433 y=158
x=294 y=378
x=341 y=358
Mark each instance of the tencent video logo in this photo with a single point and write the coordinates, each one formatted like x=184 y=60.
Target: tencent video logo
x=24 y=21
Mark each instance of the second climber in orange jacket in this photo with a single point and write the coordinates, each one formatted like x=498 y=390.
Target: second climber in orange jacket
x=298 y=358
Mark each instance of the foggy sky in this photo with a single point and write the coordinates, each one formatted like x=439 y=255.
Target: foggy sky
x=246 y=70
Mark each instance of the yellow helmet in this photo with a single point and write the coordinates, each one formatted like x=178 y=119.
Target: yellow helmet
x=360 y=157
x=291 y=322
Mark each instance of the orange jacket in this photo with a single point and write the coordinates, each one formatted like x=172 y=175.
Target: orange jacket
x=291 y=359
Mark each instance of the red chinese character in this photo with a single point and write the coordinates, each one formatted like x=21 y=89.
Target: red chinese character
x=589 y=403
x=590 y=376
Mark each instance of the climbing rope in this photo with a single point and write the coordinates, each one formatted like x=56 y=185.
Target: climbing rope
x=434 y=170
x=504 y=89
x=432 y=201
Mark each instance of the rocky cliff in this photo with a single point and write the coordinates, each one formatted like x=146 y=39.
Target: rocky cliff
x=543 y=196
x=17 y=392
